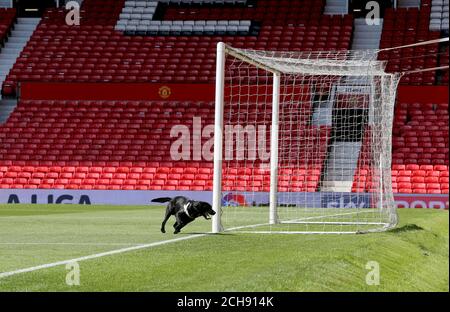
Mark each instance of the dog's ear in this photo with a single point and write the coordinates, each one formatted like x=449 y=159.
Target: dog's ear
x=199 y=207
x=207 y=207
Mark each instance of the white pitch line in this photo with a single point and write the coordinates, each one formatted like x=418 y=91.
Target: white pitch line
x=98 y=255
x=74 y=244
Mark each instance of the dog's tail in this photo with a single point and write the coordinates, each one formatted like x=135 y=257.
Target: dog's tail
x=161 y=200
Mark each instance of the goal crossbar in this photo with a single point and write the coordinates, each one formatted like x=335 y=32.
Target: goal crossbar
x=311 y=62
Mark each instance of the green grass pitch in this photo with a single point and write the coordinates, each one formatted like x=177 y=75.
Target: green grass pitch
x=413 y=257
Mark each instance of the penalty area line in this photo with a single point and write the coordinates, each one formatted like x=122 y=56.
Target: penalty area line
x=99 y=255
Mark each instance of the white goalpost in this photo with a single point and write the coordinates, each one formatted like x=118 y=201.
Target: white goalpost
x=303 y=142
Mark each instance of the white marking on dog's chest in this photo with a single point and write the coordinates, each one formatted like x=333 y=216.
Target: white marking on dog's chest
x=185 y=208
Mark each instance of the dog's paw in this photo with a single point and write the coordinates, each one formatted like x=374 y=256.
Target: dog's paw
x=176 y=232
x=163 y=231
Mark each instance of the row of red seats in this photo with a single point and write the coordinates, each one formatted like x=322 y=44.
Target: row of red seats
x=7 y=19
x=124 y=177
x=190 y=168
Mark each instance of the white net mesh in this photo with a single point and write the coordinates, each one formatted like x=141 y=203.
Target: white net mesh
x=334 y=142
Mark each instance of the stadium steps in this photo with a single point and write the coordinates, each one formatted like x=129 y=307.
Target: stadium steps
x=439 y=15
x=16 y=42
x=335 y=7
x=366 y=36
x=5 y=4
x=322 y=114
x=342 y=163
x=6 y=108
x=408 y=3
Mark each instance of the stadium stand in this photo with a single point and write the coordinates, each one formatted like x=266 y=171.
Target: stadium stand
x=96 y=52
x=83 y=144
x=125 y=144
x=420 y=150
x=47 y=143
x=421 y=134
x=406 y=26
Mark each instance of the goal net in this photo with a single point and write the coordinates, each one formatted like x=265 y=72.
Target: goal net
x=303 y=142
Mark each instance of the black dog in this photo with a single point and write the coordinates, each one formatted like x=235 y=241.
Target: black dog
x=184 y=210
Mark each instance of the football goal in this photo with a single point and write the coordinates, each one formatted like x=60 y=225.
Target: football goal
x=303 y=142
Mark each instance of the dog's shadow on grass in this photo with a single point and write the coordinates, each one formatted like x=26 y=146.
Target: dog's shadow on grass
x=406 y=228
